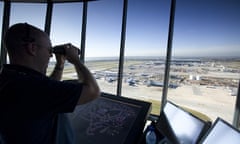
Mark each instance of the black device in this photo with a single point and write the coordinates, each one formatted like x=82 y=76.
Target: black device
x=59 y=49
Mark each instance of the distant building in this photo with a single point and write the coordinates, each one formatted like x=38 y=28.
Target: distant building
x=198 y=77
x=192 y=77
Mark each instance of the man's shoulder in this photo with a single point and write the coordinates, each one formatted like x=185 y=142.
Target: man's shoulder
x=19 y=70
x=21 y=73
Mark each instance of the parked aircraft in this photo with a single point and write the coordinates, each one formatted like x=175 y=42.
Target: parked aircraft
x=160 y=84
x=131 y=82
x=154 y=83
x=110 y=79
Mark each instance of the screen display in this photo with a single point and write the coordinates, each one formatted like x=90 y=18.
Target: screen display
x=185 y=126
x=109 y=119
x=222 y=133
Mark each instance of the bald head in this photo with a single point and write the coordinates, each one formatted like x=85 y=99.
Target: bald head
x=21 y=34
x=28 y=46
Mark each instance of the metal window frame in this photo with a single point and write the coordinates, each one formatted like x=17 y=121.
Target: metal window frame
x=122 y=48
x=5 y=25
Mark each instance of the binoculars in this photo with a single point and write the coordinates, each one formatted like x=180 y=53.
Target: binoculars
x=60 y=49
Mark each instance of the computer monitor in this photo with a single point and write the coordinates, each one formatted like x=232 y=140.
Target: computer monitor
x=221 y=133
x=187 y=128
x=109 y=119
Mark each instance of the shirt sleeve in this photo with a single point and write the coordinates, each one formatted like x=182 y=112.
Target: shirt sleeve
x=63 y=95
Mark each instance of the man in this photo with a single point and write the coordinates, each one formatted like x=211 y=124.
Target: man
x=29 y=100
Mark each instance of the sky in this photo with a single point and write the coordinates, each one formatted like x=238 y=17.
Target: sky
x=201 y=28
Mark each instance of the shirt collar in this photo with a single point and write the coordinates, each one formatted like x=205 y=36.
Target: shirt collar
x=22 y=69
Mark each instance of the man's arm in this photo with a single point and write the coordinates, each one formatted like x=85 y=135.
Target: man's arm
x=90 y=89
x=58 y=70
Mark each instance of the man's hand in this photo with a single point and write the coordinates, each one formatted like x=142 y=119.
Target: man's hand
x=60 y=60
x=71 y=53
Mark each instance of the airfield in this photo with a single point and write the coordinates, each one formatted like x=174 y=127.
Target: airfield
x=208 y=86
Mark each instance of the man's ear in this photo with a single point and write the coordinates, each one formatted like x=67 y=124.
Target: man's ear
x=31 y=49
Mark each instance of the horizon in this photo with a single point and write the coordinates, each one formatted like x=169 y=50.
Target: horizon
x=157 y=58
x=162 y=57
